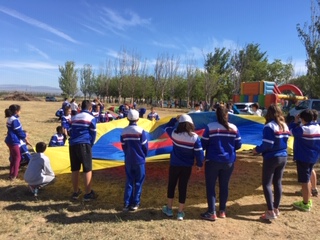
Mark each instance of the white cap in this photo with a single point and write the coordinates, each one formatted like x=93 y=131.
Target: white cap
x=133 y=115
x=185 y=118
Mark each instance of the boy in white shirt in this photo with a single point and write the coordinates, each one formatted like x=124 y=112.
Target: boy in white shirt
x=39 y=172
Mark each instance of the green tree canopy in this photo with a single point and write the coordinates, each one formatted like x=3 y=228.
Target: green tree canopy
x=68 y=79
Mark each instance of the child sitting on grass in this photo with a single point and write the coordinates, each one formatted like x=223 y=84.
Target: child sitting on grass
x=24 y=151
x=57 y=139
x=39 y=172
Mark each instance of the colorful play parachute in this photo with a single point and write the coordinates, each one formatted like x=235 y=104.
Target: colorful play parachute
x=107 y=151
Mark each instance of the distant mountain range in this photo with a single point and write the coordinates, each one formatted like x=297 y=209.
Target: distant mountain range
x=29 y=89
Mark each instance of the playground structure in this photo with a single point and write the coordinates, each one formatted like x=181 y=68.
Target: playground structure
x=267 y=93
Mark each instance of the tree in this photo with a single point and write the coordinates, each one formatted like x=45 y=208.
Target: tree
x=217 y=66
x=120 y=69
x=69 y=79
x=160 y=76
x=279 y=72
x=134 y=66
x=87 y=81
x=305 y=85
x=310 y=37
x=191 y=78
x=249 y=65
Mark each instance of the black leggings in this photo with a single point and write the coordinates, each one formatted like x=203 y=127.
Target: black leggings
x=272 y=171
x=182 y=174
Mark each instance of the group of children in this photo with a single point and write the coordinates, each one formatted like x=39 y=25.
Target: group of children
x=39 y=172
x=187 y=146
x=220 y=141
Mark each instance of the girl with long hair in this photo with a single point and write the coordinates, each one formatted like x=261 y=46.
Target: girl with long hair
x=15 y=133
x=221 y=139
x=186 y=148
x=274 y=152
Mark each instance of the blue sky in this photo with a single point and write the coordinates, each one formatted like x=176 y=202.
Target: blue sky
x=38 y=36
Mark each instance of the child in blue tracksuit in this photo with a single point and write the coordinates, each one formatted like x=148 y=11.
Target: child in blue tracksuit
x=274 y=152
x=135 y=146
x=24 y=151
x=220 y=139
x=15 y=133
x=66 y=121
x=186 y=148
x=57 y=139
x=306 y=153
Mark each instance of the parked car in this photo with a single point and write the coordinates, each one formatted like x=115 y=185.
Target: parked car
x=50 y=99
x=244 y=107
x=306 y=104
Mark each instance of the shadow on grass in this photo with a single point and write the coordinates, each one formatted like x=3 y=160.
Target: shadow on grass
x=109 y=184
x=252 y=212
x=52 y=120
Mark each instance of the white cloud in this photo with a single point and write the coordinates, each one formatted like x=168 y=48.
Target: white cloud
x=37 y=50
x=27 y=65
x=299 y=67
x=114 y=20
x=165 y=45
x=112 y=53
x=37 y=24
x=94 y=29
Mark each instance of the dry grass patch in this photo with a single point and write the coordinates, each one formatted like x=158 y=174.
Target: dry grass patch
x=54 y=216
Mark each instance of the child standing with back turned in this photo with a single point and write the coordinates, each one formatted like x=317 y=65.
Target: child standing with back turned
x=306 y=153
x=135 y=146
x=186 y=148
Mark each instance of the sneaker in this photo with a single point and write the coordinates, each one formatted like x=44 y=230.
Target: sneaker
x=133 y=208
x=222 y=214
x=125 y=208
x=208 y=216
x=268 y=216
x=276 y=212
x=90 y=196
x=180 y=216
x=167 y=211
x=35 y=193
x=302 y=206
x=314 y=192
x=76 y=195
x=31 y=189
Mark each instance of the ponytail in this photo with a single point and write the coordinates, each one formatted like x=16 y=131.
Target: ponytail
x=12 y=110
x=222 y=113
x=7 y=113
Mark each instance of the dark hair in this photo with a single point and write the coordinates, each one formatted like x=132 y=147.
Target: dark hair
x=274 y=113
x=307 y=115
x=59 y=130
x=7 y=113
x=185 y=127
x=256 y=105
x=86 y=105
x=197 y=105
x=222 y=116
x=66 y=108
x=12 y=110
x=315 y=115
x=72 y=100
x=41 y=147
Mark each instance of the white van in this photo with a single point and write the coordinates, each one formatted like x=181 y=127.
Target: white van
x=306 y=104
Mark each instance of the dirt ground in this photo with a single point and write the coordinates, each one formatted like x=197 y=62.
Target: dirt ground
x=54 y=216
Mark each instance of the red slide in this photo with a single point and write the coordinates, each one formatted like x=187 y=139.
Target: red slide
x=290 y=87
